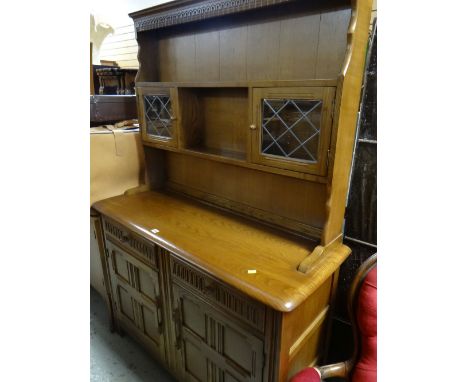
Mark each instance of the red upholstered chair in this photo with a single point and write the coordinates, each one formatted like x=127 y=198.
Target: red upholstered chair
x=362 y=306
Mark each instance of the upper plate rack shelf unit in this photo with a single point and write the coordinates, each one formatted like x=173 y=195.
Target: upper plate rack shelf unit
x=268 y=41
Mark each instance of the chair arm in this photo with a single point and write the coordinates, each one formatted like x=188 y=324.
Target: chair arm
x=338 y=370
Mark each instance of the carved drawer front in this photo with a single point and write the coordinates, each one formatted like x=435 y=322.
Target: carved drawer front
x=134 y=273
x=141 y=248
x=137 y=297
x=211 y=346
x=224 y=297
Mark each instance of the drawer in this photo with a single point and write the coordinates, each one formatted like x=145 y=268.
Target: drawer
x=219 y=294
x=134 y=273
x=139 y=247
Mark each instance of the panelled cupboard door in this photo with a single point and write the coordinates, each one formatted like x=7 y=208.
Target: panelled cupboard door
x=137 y=297
x=158 y=115
x=210 y=346
x=292 y=127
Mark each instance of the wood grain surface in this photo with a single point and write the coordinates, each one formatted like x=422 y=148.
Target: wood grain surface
x=227 y=246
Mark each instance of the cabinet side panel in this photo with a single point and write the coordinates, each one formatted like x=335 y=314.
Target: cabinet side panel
x=303 y=331
x=97 y=278
x=310 y=353
x=332 y=43
x=149 y=68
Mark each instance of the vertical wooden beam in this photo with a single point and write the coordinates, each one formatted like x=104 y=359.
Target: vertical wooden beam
x=349 y=91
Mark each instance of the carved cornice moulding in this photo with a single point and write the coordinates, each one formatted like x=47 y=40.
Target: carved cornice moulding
x=187 y=11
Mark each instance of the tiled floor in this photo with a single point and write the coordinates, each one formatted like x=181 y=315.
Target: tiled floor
x=115 y=358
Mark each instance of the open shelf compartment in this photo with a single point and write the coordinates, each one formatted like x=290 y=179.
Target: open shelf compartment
x=215 y=120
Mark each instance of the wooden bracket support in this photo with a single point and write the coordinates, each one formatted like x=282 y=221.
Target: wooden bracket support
x=137 y=190
x=306 y=265
x=322 y=257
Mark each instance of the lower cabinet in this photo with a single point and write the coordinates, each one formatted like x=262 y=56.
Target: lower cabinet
x=137 y=299
x=200 y=328
x=210 y=346
x=213 y=333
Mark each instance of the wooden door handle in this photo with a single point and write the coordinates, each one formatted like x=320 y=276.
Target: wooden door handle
x=178 y=327
x=159 y=316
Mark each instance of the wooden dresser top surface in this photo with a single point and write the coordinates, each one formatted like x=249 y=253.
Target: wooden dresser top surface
x=227 y=246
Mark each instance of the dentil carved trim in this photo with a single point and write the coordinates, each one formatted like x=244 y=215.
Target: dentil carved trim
x=205 y=10
x=237 y=304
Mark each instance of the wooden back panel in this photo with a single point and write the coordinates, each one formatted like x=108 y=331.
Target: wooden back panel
x=215 y=119
x=291 y=203
x=301 y=40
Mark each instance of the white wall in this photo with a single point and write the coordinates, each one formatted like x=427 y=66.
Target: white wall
x=113 y=36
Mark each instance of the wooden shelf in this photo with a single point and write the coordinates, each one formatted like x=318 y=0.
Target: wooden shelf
x=241 y=84
x=210 y=152
x=239 y=162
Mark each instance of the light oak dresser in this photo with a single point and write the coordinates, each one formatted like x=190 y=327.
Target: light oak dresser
x=225 y=266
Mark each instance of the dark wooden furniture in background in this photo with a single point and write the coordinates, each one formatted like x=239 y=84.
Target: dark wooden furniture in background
x=226 y=270
x=95 y=78
x=92 y=87
x=116 y=81
x=110 y=109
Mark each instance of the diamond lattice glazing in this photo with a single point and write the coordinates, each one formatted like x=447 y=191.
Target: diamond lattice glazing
x=289 y=128
x=158 y=115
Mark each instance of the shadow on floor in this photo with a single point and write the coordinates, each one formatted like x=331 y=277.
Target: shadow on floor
x=115 y=358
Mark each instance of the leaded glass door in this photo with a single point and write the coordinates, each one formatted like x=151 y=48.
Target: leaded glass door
x=158 y=115
x=292 y=127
